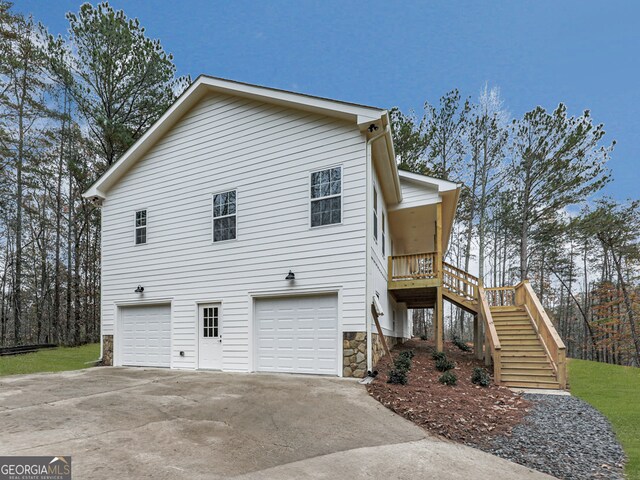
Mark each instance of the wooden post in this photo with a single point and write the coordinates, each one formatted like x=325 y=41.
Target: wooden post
x=477 y=336
x=439 y=252
x=439 y=325
x=380 y=334
x=487 y=349
x=562 y=369
x=438 y=270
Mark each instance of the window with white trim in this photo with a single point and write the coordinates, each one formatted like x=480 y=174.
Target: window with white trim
x=384 y=236
x=141 y=227
x=210 y=322
x=375 y=214
x=326 y=197
x=224 y=216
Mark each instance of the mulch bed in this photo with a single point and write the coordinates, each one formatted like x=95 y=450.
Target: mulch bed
x=464 y=413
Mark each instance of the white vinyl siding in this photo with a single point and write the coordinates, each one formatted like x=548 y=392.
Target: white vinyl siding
x=378 y=268
x=265 y=153
x=416 y=195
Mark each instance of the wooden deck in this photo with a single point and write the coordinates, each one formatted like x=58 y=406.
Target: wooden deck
x=512 y=330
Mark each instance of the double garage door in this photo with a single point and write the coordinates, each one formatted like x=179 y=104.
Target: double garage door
x=146 y=336
x=297 y=334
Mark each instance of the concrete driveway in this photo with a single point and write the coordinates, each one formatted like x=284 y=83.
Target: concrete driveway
x=150 y=423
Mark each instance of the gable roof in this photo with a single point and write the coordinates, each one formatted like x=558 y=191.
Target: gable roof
x=438 y=183
x=362 y=115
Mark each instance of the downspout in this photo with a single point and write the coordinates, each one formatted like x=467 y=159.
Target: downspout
x=369 y=229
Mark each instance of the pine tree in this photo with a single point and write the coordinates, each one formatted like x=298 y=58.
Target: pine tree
x=121 y=80
x=557 y=161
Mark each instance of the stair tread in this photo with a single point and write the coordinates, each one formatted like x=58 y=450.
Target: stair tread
x=519 y=341
x=541 y=385
x=515 y=360
x=511 y=327
x=528 y=378
x=525 y=366
x=543 y=370
x=512 y=346
x=524 y=354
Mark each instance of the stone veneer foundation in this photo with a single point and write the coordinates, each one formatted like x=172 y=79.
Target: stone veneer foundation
x=107 y=350
x=354 y=363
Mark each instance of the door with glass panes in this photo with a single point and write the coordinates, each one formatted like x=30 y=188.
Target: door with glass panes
x=210 y=336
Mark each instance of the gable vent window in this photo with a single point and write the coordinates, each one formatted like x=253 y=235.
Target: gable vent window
x=224 y=216
x=326 y=197
x=141 y=227
x=375 y=214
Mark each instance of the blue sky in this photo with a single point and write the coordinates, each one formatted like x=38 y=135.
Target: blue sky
x=383 y=53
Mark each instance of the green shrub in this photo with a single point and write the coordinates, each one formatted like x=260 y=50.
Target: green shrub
x=481 y=377
x=407 y=353
x=402 y=363
x=438 y=355
x=398 y=377
x=460 y=344
x=443 y=364
x=424 y=337
x=448 y=378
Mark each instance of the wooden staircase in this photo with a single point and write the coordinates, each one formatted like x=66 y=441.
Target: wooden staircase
x=523 y=359
x=520 y=339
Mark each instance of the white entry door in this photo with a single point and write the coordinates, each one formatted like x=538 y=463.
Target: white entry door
x=210 y=336
x=297 y=334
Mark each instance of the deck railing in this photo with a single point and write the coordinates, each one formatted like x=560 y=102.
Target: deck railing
x=501 y=296
x=414 y=266
x=553 y=344
x=459 y=282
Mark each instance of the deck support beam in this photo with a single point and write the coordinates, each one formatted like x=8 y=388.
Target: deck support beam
x=438 y=321
x=477 y=337
x=439 y=300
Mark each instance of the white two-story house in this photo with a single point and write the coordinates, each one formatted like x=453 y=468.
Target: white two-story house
x=251 y=228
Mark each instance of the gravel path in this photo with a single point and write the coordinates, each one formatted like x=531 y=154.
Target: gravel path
x=564 y=437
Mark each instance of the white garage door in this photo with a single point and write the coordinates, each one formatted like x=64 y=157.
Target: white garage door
x=146 y=336
x=297 y=334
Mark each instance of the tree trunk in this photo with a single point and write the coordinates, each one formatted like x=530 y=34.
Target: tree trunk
x=629 y=307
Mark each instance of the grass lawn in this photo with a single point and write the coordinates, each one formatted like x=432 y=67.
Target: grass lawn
x=615 y=391
x=50 y=360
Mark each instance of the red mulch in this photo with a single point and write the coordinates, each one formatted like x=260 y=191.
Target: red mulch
x=464 y=412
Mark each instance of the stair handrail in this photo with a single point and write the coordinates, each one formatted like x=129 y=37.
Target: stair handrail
x=459 y=282
x=554 y=345
x=492 y=342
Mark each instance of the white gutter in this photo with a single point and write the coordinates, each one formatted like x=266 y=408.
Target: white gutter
x=369 y=229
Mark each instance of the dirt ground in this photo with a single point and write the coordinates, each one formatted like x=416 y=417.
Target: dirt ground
x=465 y=412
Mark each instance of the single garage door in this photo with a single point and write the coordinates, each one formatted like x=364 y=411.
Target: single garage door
x=297 y=334
x=146 y=336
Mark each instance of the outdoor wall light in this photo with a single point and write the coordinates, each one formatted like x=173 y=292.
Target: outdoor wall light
x=290 y=276
x=139 y=289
